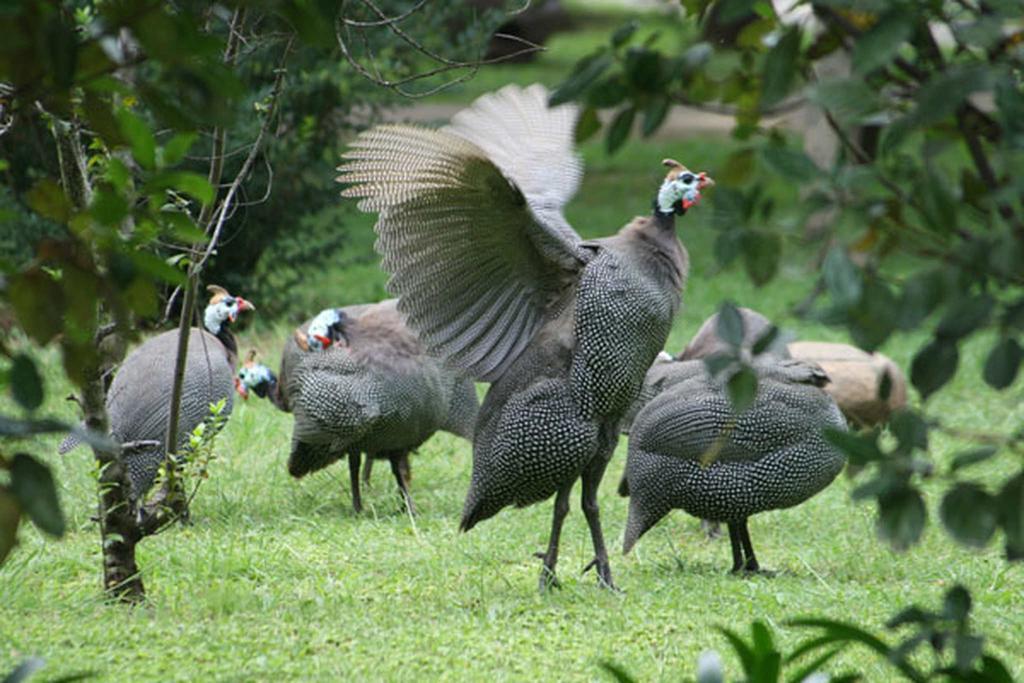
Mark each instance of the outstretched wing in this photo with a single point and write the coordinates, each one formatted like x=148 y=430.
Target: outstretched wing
x=475 y=240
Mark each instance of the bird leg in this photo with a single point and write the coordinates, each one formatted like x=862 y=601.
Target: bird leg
x=712 y=530
x=353 y=471
x=548 y=579
x=591 y=479
x=367 y=469
x=750 y=566
x=403 y=476
x=743 y=559
x=737 y=550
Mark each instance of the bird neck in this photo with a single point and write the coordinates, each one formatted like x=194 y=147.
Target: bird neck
x=229 y=342
x=665 y=221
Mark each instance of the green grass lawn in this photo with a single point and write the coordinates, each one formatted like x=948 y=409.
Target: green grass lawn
x=278 y=579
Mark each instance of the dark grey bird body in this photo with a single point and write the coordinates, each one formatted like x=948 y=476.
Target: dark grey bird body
x=375 y=391
x=689 y=451
x=496 y=282
x=138 y=400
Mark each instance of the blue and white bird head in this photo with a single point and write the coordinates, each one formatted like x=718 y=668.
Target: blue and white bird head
x=681 y=188
x=325 y=329
x=256 y=377
x=223 y=307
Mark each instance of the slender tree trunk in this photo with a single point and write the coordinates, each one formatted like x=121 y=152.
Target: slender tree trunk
x=119 y=532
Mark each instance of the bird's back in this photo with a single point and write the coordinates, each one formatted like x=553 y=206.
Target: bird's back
x=138 y=402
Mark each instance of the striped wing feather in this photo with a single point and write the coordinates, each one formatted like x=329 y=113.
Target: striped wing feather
x=476 y=261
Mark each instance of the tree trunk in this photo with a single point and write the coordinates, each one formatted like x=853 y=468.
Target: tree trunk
x=119 y=532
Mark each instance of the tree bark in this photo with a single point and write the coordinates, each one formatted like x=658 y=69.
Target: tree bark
x=119 y=532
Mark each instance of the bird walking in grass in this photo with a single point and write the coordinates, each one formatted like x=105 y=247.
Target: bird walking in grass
x=359 y=381
x=139 y=398
x=494 y=280
x=688 y=450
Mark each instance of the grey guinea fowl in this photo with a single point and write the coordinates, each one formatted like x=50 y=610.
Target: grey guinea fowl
x=494 y=280
x=359 y=381
x=688 y=450
x=139 y=398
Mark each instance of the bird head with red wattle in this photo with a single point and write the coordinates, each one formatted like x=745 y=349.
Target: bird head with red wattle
x=223 y=307
x=254 y=376
x=681 y=188
x=324 y=330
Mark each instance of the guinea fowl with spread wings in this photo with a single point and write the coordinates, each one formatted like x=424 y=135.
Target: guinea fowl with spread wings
x=494 y=280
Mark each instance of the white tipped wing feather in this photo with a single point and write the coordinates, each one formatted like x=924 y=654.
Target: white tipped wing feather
x=470 y=223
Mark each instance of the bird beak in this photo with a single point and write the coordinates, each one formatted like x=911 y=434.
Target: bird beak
x=704 y=180
x=326 y=341
x=242 y=390
x=244 y=305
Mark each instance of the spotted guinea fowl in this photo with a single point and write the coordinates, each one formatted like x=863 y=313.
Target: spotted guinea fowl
x=688 y=450
x=359 y=381
x=139 y=397
x=494 y=280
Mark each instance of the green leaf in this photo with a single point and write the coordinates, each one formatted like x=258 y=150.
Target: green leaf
x=742 y=388
x=964 y=316
x=933 y=366
x=587 y=70
x=177 y=147
x=61 y=50
x=587 y=124
x=761 y=252
x=880 y=43
x=860 y=448
x=654 y=115
x=140 y=138
x=33 y=485
x=643 y=69
x=183 y=181
x=47 y=199
x=792 y=164
x=945 y=92
x=1011 y=516
x=972 y=457
x=10 y=518
x=848 y=100
x=743 y=651
x=1002 y=363
x=25 y=670
x=608 y=93
x=970 y=514
x=765 y=340
x=624 y=32
x=780 y=68
x=26 y=292
x=842 y=278
x=617 y=672
x=911 y=431
x=901 y=517
x=729 y=324
x=619 y=130
x=26 y=384
x=108 y=207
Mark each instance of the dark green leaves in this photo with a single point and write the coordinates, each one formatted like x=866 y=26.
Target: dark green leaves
x=742 y=388
x=139 y=137
x=26 y=384
x=729 y=324
x=587 y=124
x=879 y=45
x=933 y=366
x=790 y=163
x=1002 y=363
x=654 y=114
x=901 y=517
x=859 y=448
x=969 y=514
x=32 y=484
x=1010 y=503
x=848 y=100
x=586 y=72
x=842 y=278
x=619 y=130
x=761 y=252
x=780 y=67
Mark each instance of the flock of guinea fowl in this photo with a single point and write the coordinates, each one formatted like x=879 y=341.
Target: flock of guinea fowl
x=493 y=285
